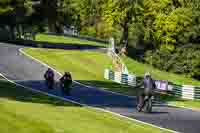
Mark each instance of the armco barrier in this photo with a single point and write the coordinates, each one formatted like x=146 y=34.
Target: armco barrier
x=197 y=93
x=186 y=91
x=132 y=80
x=177 y=90
x=124 y=78
x=182 y=91
x=111 y=75
x=120 y=77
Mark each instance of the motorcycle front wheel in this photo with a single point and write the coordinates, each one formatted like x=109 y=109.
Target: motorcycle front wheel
x=148 y=106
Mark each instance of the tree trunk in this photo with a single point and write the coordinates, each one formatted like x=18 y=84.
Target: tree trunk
x=12 y=34
x=126 y=35
x=51 y=25
x=49 y=9
x=18 y=31
x=124 y=39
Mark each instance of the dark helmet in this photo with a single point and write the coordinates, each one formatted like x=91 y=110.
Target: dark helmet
x=49 y=69
x=65 y=73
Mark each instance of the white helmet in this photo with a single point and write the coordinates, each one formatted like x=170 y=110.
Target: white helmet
x=147 y=74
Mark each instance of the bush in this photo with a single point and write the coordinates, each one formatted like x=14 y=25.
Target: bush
x=182 y=61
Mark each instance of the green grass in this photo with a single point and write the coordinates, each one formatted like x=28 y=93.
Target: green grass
x=67 y=40
x=84 y=65
x=139 y=69
x=87 y=67
x=22 y=111
x=186 y=103
x=195 y=104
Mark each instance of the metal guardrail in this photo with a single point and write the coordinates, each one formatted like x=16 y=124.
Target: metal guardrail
x=119 y=77
x=186 y=91
x=181 y=91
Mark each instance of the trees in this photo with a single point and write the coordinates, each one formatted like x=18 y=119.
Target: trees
x=122 y=14
x=106 y=18
x=12 y=13
x=28 y=12
x=90 y=14
x=164 y=21
x=172 y=26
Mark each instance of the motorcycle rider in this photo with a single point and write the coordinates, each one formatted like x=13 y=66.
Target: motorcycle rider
x=66 y=81
x=149 y=86
x=49 y=77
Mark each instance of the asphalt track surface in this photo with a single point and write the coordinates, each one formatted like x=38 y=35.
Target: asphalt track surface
x=25 y=71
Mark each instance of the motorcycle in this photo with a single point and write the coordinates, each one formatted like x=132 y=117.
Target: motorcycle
x=50 y=83
x=66 y=88
x=147 y=107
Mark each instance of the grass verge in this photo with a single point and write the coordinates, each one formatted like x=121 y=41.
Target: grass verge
x=67 y=40
x=174 y=101
x=22 y=111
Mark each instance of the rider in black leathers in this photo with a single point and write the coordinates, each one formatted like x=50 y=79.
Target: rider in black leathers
x=49 y=77
x=66 y=81
x=149 y=86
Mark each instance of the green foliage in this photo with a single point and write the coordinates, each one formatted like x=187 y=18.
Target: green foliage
x=182 y=60
x=4 y=6
x=170 y=25
x=171 y=28
x=167 y=24
x=120 y=15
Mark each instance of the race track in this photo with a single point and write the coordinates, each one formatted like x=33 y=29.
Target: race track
x=25 y=71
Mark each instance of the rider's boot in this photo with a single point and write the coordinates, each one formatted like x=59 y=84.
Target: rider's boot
x=141 y=104
x=139 y=108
